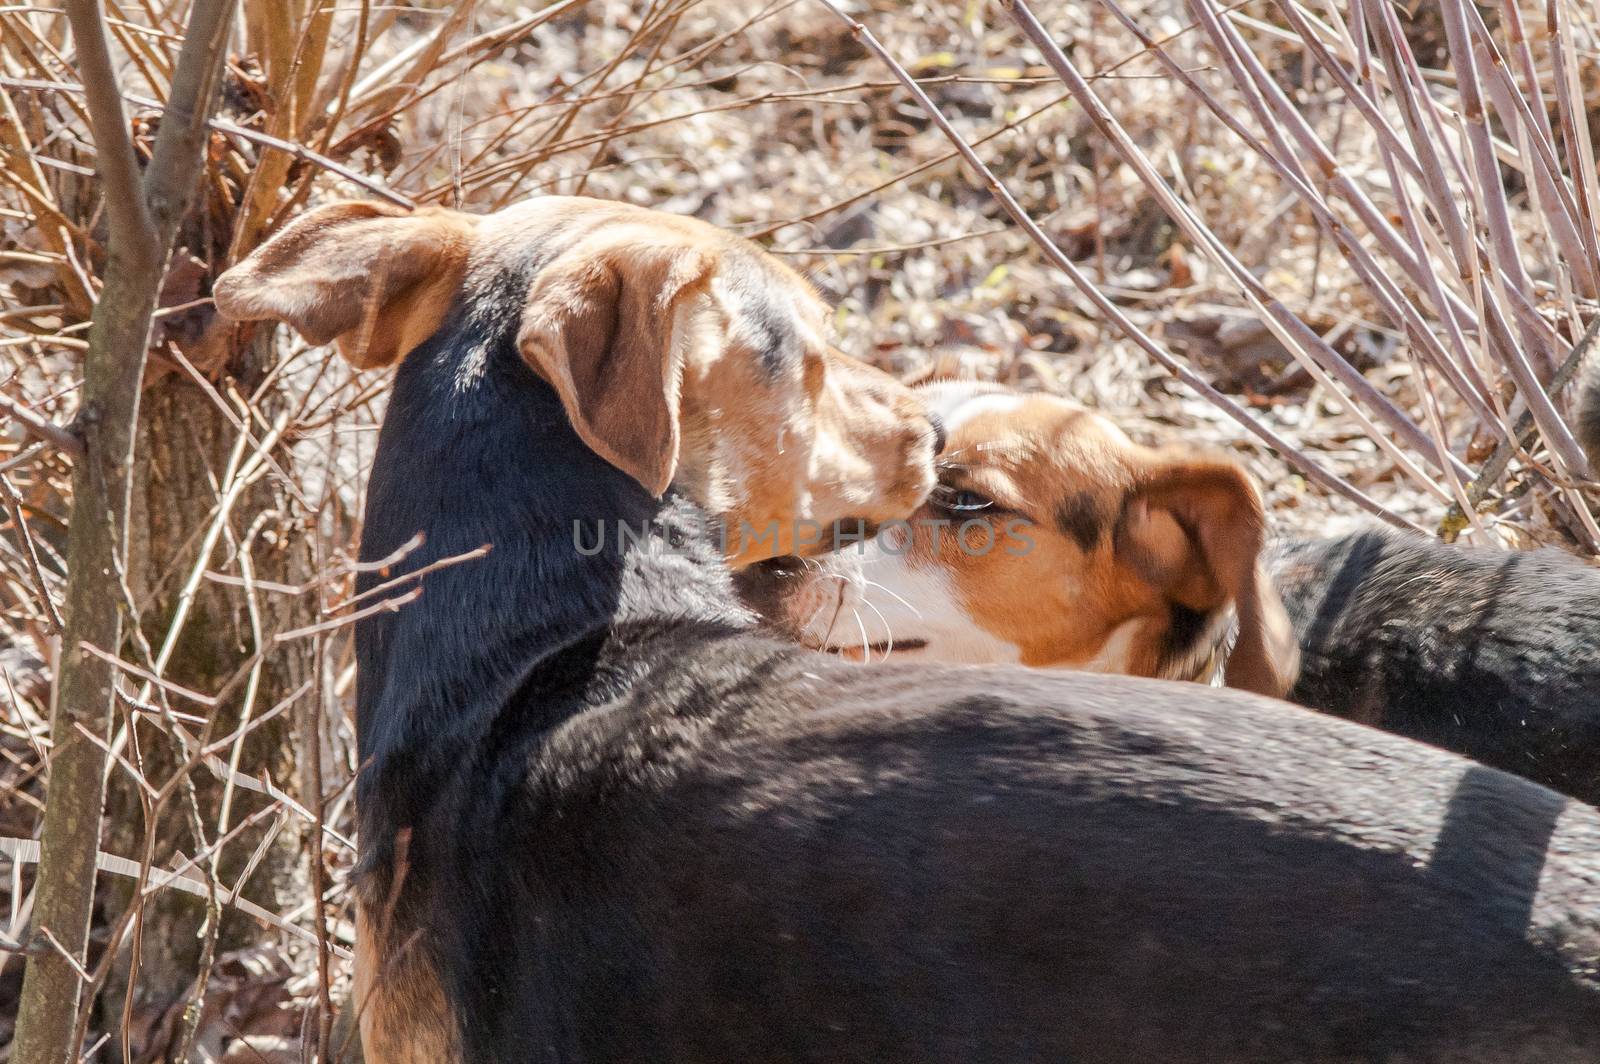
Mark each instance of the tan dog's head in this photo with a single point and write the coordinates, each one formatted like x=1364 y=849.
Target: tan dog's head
x=1052 y=539
x=682 y=355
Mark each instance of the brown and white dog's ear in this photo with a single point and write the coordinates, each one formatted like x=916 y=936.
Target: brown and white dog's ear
x=378 y=279
x=599 y=325
x=1196 y=530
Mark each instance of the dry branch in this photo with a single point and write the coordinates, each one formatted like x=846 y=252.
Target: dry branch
x=1480 y=299
x=13 y=500
x=42 y=428
x=131 y=224
x=233 y=129
x=26 y=851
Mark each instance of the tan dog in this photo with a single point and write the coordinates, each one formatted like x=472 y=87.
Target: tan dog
x=682 y=354
x=1051 y=540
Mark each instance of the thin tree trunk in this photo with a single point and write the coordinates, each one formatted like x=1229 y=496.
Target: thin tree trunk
x=84 y=693
x=143 y=216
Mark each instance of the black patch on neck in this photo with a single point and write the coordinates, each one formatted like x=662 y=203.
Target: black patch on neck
x=778 y=345
x=1078 y=516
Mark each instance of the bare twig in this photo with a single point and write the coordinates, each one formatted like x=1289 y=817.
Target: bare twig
x=14 y=504
x=63 y=439
x=415 y=574
x=1456 y=517
x=1297 y=338
x=23 y=457
x=26 y=851
x=312 y=759
x=389 y=605
x=1551 y=427
x=148 y=676
x=131 y=221
x=233 y=129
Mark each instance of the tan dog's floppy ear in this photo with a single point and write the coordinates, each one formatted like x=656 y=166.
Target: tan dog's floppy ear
x=599 y=326
x=376 y=278
x=1196 y=530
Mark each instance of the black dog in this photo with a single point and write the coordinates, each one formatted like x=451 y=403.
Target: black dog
x=602 y=821
x=1492 y=654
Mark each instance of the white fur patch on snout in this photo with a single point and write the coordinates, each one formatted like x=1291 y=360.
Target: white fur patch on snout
x=885 y=599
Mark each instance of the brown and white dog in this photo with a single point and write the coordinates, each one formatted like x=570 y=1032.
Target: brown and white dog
x=1490 y=653
x=1051 y=540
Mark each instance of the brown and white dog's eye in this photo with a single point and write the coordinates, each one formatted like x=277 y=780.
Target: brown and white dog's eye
x=951 y=499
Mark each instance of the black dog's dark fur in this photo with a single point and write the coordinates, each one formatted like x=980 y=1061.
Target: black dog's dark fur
x=1492 y=654
x=637 y=832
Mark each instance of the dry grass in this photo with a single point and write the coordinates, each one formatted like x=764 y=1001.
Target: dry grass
x=1376 y=251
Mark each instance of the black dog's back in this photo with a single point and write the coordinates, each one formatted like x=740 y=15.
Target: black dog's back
x=1493 y=654
x=757 y=855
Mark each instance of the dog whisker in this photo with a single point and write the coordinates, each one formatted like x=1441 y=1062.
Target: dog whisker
x=884 y=621
x=851 y=579
x=811 y=620
x=833 y=622
x=891 y=593
x=866 y=644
